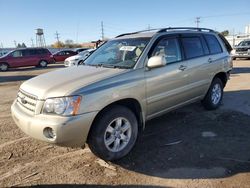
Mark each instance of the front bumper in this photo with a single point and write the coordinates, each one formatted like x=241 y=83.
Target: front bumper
x=241 y=55
x=70 y=131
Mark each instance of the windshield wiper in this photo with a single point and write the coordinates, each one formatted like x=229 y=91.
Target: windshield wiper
x=115 y=66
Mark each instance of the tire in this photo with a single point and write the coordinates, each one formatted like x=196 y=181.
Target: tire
x=81 y=62
x=4 y=67
x=43 y=63
x=214 y=95
x=114 y=133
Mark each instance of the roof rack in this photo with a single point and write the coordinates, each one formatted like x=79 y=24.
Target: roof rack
x=185 y=28
x=160 y=30
x=146 y=30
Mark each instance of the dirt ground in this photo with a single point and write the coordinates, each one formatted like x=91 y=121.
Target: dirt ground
x=190 y=147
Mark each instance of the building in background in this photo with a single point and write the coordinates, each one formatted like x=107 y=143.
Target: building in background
x=235 y=39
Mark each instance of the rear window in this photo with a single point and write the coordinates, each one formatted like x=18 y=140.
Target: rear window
x=192 y=47
x=213 y=44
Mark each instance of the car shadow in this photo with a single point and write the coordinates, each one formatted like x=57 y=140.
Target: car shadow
x=240 y=70
x=192 y=143
x=15 y=78
x=50 y=66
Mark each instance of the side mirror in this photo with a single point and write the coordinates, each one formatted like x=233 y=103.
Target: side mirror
x=156 y=61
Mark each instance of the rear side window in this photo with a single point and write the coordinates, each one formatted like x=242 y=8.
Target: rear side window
x=192 y=47
x=213 y=44
x=42 y=51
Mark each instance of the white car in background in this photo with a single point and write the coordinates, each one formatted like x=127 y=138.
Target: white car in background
x=78 y=59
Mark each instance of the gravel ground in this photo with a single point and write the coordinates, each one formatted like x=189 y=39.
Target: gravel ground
x=190 y=147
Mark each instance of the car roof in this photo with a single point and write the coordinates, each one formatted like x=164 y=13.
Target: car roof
x=169 y=30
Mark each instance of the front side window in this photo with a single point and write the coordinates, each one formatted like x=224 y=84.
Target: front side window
x=213 y=44
x=192 y=47
x=169 y=48
x=120 y=53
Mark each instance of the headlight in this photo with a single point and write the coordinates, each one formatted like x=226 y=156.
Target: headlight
x=62 y=105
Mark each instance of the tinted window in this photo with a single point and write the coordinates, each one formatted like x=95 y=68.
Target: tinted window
x=168 y=48
x=192 y=47
x=33 y=52
x=68 y=52
x=61 y=53
x=213 y=44
x=40 y=51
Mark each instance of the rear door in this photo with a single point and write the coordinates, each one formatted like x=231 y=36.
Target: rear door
x=29 y=57
x=197 y=57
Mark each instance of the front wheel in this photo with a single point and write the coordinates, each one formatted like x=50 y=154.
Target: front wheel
x=114 y=133
x=214 y=95
x=4 y=66
x=43 y=63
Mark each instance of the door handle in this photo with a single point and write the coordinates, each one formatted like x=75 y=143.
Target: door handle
x=210 y=60
x=182 y=67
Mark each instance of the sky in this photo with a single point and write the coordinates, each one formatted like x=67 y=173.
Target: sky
x=80 y=20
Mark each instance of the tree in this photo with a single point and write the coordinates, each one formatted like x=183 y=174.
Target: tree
x=225 y=33
x=58 y=45
x=23 y=45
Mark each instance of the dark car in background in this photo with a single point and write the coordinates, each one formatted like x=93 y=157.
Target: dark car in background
x=39 y=57
x=60 y=56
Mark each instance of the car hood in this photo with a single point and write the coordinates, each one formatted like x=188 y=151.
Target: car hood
x=73 y=57
x=65 y=81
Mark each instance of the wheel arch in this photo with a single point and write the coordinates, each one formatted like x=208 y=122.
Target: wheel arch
x=223 y=77
x=131 y=104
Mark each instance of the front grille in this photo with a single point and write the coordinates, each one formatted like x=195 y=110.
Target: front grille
x=27 y=101
x=241 y=49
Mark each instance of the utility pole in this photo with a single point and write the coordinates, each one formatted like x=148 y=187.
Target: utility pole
x=32 y=42
x=149 y=27
x=102 y=29
x=15 y=43
x=197 y=21
x=57 y=36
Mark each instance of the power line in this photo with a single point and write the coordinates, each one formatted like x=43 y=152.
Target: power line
x=57 y=37
x=32 y=42
x=197 y=21
x=15 y=43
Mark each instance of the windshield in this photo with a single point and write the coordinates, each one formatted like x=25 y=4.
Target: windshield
x=244 y=43
x=121 y=53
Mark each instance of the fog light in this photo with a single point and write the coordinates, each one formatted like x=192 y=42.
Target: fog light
x=49 y=133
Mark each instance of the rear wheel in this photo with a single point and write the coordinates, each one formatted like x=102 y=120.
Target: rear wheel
x=214 y=95
x=114 y=133
x=4 y=66
x=43 y=63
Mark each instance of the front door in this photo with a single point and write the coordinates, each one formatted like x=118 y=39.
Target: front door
x=166 y=86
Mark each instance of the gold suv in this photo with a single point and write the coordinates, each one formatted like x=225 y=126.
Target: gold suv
x=125 y=82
